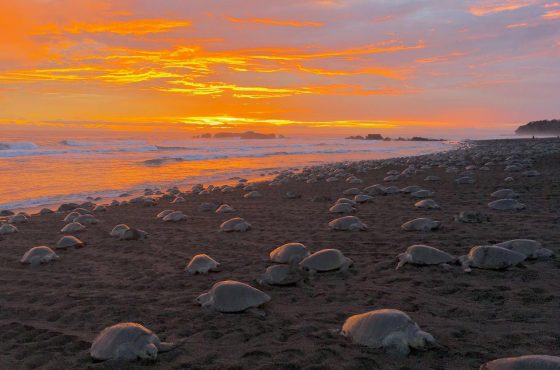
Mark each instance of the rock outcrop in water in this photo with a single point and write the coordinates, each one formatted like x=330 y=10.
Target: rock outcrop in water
x=544 y=127
x=380 y=137
x=247 y=135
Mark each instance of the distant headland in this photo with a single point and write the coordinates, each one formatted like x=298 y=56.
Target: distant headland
x=380 y=137
x=544 y=127
x=247 y=135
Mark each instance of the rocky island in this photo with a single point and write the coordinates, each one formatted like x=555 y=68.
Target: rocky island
x=543 y=128
x=380 y=137
x=247 y=135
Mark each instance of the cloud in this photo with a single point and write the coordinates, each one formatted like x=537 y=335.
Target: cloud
x=489 y=7
x=127 y=27
x=552 y=14
x=274 y=22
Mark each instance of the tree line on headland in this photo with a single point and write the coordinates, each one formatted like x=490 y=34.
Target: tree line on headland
x=544 y=127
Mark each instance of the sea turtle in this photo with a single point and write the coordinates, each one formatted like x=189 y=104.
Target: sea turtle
x=421 y=224
x=363 y=198
x=280 y=275
x=175 y=216
x=207 y=207
x=119 y=230
x=504 y=194
x=64 y=207
x=86 y=220
x=225 y=208
x=490 y=257
x=82 y=211
x=528 y=362
x=235 y=224
x=427 y=204
x=178 y=200
x=342 y=208
x=326 y=260
x=71 y=217
x=201 y=264
x=346 y=201
x=506 y=204
x=20 y=218
x=73 y=227
x=162 y=214
x=69 y=241
x=390 y=329
x=133 y=234
x=389 y=190
x=347 y=223
x=411 y=189
x=465 y=180
x=292 y=195
x=470 y=217
x=432 y=178
x=289 y=253
x=8 y=229
x=423 y=255
x=45 y=211
x=530 y=248
x=351 y=191
x=127 y=342
x=98 y=209
x=38 y=255
x=376 y=189
x=253 y=194
x=232 y=296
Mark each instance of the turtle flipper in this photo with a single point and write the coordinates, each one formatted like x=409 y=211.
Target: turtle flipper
x=166 y=346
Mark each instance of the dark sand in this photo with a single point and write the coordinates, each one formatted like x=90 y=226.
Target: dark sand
x=49 y=315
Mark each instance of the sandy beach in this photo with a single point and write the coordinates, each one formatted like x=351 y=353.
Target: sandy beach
x=50 y=314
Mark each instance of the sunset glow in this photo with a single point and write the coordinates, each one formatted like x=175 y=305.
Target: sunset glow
x=278 y=66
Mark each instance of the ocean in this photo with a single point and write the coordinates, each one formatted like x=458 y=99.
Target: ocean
x=47 y=168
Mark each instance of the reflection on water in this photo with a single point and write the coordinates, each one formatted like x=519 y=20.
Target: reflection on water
x=47 y=168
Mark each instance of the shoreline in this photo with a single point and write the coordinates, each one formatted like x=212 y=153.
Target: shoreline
x=107 y=196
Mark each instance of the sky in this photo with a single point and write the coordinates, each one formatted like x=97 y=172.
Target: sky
x=287 y=66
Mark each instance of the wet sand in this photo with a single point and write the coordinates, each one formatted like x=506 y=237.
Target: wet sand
x=49 y=315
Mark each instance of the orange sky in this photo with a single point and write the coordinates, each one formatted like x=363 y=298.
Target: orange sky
x=282 y=66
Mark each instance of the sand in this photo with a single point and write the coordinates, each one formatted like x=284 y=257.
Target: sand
x=49 y=315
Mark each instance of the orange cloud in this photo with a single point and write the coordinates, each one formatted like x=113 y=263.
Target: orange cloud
x=128 y=27
x=440 y=58
x=552 y=14
x=499 y=6
x=274 y=22
x=518 y=25
x=390 y=73
x=197 y=72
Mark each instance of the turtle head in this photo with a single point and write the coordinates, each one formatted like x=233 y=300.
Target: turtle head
x=148 y=352
x=544 y=253
x=204 y=299
x=403 y=259
x=421 y=340
x=465 y=262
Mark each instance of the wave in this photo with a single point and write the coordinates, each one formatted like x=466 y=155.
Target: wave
x=202 y=157
x=44 y=152
x=100 y=143
x=18 y=145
